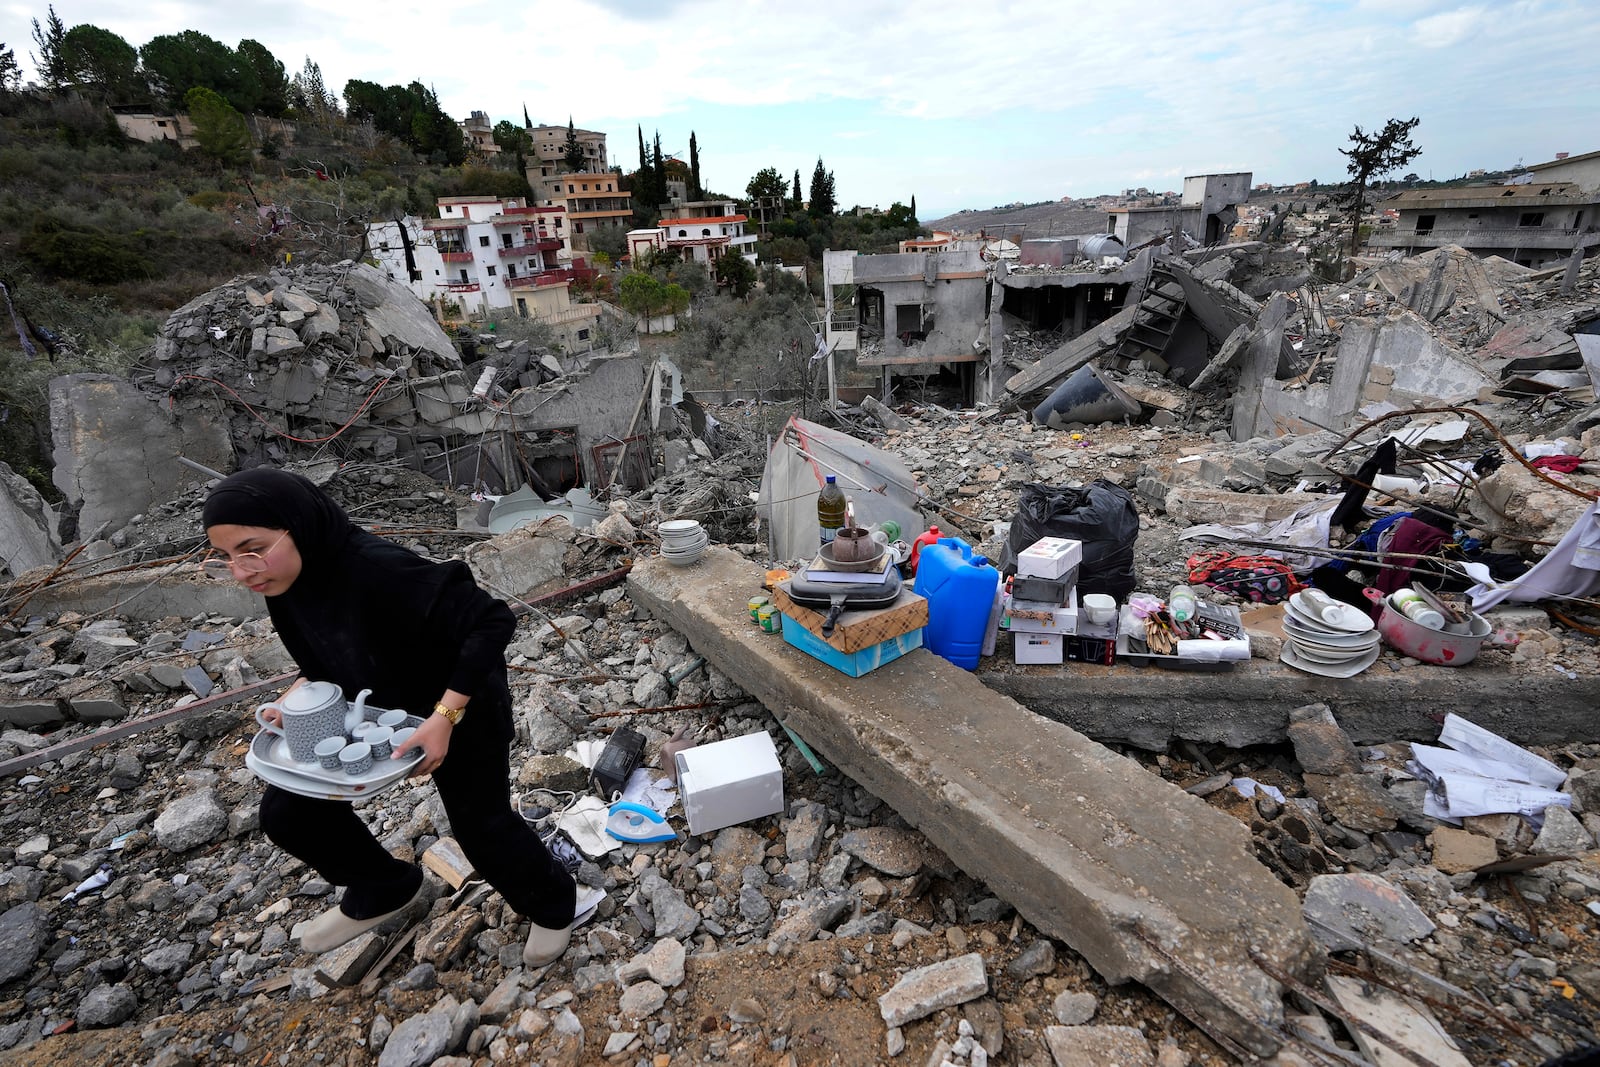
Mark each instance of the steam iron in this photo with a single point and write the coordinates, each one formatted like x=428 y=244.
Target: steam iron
x=638 y=824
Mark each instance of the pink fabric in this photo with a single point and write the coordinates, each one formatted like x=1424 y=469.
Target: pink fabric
x=1412 y=538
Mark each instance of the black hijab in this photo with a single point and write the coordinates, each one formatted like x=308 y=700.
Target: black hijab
x=279 y=500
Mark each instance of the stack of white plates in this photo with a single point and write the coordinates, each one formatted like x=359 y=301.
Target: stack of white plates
x=682 y=541
x=1327 y=636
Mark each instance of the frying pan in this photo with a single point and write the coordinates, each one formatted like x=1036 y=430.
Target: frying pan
x=839 y=597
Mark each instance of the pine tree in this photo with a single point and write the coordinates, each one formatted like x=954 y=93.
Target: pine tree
x=645 y=188
x=695 y=192
x=822 y=192
x=51 y=60
x=574 y=154
x=658 y=171
x=10 y=73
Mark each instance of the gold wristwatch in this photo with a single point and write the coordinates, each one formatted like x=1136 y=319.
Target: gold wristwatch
x=453 y=714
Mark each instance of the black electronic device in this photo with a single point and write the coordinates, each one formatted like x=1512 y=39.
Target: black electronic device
x=624 y=751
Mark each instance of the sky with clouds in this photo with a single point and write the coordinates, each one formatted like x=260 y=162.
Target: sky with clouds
x=961 y=104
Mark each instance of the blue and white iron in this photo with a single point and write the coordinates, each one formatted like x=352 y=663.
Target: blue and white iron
x=638 y=824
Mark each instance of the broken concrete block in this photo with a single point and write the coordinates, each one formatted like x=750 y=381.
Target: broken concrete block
x=1457 y=851
x=1513 y=500
x=1320 y=744
x=27 y=525
x=925 y=990
x=31 y=713
x=1196 y=504
x=96 y=702
x=1563 y=834
x=1359 y=801
x=1347 y=911
x=1097 y=1046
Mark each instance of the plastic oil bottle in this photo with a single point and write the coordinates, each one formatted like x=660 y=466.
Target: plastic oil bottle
x=960 y=589
x=830 y=510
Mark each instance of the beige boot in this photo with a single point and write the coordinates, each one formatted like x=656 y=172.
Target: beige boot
x=333 y=927
x=546 y=945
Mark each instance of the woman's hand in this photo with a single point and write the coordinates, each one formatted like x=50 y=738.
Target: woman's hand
x=433 y=738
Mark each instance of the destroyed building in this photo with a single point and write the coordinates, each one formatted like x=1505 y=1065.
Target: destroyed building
x=1544 y=215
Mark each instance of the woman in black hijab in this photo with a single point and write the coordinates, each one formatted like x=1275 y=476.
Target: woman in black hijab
x=358 y=611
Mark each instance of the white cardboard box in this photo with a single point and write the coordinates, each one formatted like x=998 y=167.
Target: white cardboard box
x=1050 y=557
x=1040 y=648
x=1038 y=617
x=731 y=781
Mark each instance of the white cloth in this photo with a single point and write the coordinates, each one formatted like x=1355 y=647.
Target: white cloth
x=1568 y=571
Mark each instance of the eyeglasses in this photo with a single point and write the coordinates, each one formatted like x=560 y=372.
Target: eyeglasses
x=221 y=567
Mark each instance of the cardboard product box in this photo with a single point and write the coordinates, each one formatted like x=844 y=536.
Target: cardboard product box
x=1034 y=617
x=857 y=663
x=731 y=781
x=1040 y=648
x=856 y=630
x=1050 y=557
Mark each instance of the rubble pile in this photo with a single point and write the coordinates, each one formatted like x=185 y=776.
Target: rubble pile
x=145 y=920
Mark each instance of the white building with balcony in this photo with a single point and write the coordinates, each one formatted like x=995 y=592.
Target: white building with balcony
x=706 y=230
x=484 y=254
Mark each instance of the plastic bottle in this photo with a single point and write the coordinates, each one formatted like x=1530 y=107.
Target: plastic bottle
x=1182 y=603
x=928 y=537
x=960 y=588
x=830 y=510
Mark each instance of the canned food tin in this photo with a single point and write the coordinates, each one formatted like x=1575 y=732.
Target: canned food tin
x=756 y=603
x=771 y=618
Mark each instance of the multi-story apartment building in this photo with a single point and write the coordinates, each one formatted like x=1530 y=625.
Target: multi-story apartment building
x=591 y=198
x=478 y=132
x=484 y=253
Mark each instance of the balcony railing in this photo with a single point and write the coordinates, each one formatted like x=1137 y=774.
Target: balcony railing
x=530 y=248
x=575 y=313
x=533 y=281
x=456 y=257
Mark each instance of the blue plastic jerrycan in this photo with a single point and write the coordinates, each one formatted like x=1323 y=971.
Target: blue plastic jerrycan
x=960 y=589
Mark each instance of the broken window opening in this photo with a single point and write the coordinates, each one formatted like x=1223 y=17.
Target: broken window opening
x=909 y=324
x=1425 y=224
x=522 y=307
x=483 y=240
x=548 y=460
x=869 y=306
x=1531 y=218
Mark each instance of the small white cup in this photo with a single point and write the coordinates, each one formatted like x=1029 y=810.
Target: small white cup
x=356 y=758
x=380 y=739
x=392 y=718
x=328 y=750
x=401 y=736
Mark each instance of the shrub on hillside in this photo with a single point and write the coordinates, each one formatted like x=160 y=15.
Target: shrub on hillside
x=83 y=253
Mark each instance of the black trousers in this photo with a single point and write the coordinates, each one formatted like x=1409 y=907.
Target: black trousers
x=474 y=784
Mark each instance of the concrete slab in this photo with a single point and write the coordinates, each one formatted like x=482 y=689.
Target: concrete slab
x=1249 y=705
x=1147 y=882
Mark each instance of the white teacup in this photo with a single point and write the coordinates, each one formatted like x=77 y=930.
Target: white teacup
x=328 y=750
x=392 y=719
x=356 y=757
x=381 y=740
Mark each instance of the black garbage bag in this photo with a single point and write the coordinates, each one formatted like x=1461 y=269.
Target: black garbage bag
x=1099 y=514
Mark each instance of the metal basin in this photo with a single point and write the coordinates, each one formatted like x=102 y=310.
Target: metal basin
x=1432 y=646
